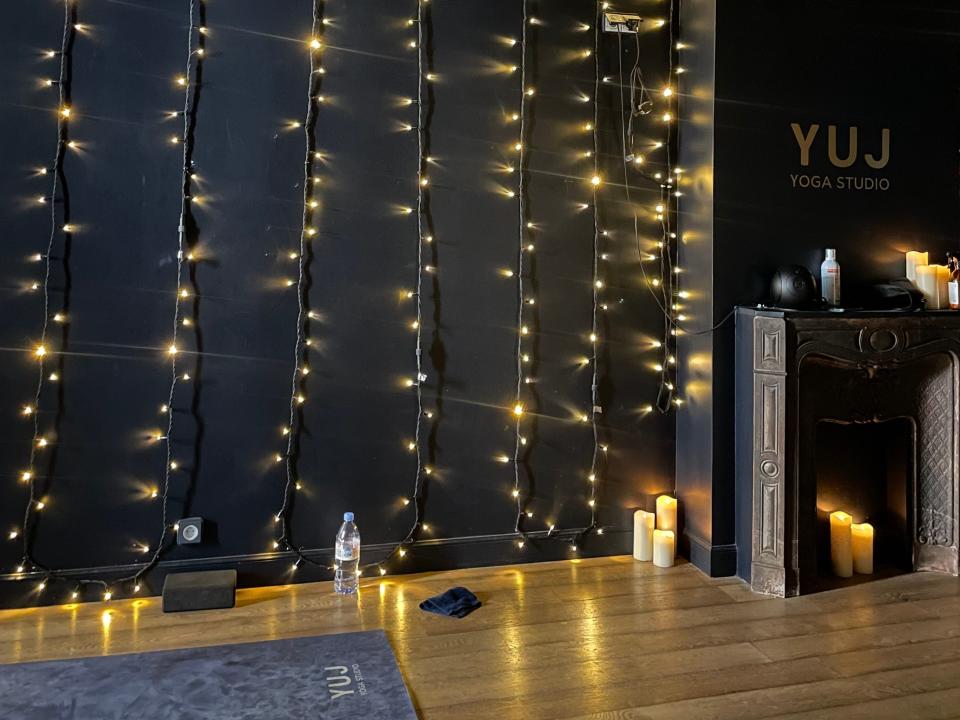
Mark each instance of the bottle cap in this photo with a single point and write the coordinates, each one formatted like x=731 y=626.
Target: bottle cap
x=831 y=254
x=348 y=517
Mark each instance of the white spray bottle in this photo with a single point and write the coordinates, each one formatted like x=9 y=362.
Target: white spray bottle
x=830 y=279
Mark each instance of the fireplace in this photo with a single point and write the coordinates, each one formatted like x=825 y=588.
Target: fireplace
x=851 y=411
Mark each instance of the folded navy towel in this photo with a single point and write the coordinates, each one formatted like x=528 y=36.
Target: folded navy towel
x=455 y=602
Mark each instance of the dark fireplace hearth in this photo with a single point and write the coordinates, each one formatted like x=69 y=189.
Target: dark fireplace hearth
x=851 y=411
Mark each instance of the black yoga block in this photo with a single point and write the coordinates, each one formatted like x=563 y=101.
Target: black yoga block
x=199 y=590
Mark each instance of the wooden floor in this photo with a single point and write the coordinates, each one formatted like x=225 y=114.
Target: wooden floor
x=605 y=638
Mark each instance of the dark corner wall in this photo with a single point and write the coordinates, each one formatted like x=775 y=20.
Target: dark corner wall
x=114 y=278
x=751 y=204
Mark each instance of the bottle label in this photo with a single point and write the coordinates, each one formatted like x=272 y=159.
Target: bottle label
x=345 y=552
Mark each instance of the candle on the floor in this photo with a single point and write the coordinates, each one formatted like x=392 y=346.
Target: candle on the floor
x=664 y=544
x=914 y=259
x=841 y=554
x=861 y=542
x=643 y=523
x=666 y=513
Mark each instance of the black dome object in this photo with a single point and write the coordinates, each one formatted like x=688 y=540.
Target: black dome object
x=793 y=286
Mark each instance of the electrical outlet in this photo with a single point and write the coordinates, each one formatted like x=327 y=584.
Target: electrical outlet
x=190 y=531
x=618 y=22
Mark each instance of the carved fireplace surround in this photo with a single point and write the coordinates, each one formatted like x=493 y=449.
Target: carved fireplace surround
x=795 y=369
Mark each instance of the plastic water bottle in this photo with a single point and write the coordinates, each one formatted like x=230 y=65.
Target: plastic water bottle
x=347 y=557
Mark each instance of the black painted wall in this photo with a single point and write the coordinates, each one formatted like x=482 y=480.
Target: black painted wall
x=756 y=67
x=123 y=184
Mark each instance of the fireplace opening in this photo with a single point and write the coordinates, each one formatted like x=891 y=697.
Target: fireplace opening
x=865 y=469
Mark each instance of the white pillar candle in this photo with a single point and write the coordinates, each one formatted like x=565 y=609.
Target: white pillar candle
x=664 y=545
x=643 y=523
x=861 y=542
x=929 y=280
x=666 y=513
x=944 y=276
x=914 y=259
x=841 y=554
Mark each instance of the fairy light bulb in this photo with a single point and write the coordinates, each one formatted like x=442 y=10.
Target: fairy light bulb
x=315 y=44
x=595 y=180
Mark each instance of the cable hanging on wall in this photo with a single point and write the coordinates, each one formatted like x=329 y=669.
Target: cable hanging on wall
x=663 y=287
x=598 y=456
x=195 y=51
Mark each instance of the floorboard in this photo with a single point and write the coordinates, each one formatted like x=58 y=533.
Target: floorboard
x=604 y=638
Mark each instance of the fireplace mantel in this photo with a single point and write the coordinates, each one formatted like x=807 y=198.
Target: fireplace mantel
x=774 y=425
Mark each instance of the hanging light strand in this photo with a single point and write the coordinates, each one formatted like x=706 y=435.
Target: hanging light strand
x=522 y=242
x=416 y=499
x=422 y=199
x=195 y=51
x=41 y=351
x=298 y=380
x=597 y=285
x=424 y=75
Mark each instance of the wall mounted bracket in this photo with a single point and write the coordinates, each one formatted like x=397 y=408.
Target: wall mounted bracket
x=618 y=22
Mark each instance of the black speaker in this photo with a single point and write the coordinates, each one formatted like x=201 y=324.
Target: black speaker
x=793 y=286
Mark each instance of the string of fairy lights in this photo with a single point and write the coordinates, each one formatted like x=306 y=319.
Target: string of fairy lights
x=597 y=283
x=188 y=81
x=664 y=285
x=301 y=370
x=524 y=246
x=283 y=540
x=42 y=351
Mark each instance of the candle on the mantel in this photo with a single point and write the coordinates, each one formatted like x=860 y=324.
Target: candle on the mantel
x=643 y=523
x=861 y=543
x=664 y=548
x=841 y=554
x=666 y=513
x=944 y=276
x=915 y=259
x=932 y=281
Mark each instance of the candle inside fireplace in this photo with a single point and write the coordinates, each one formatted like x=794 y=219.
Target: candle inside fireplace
x=643 y=523
x=914 y=259
x=664 y=546
x=861 y=541
x=841 y=553
x=666 y=513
